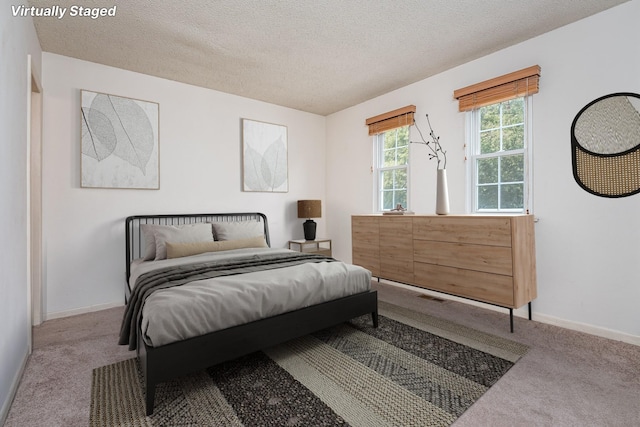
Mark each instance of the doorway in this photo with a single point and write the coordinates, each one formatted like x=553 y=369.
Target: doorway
x=34 y=200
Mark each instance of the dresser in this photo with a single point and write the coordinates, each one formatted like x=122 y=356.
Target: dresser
x=484 y=258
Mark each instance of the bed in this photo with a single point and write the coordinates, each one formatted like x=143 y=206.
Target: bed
x=234 y=293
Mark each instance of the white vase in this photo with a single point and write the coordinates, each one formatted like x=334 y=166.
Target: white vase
x=442 y=193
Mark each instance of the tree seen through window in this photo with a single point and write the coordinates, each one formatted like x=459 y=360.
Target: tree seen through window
x=393 y=158
x=499 y=158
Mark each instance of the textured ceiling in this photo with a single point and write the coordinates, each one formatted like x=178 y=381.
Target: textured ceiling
x=319 y=56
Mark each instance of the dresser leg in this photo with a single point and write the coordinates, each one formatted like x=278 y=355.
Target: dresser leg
x=511 y=318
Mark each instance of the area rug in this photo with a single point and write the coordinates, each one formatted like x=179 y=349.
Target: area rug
x=413 y=370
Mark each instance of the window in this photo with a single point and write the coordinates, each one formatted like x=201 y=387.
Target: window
x=499 y=157
x=391 y=168
x=498 y=137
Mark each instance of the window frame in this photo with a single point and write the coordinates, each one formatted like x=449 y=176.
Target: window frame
x=472 y=127
x=378 y=169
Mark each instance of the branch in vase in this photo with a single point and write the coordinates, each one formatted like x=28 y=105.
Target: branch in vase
x=433 y=145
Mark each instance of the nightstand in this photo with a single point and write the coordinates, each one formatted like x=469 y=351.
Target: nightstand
x=318 y=246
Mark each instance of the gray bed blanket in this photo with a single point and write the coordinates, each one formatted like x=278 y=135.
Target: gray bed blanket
x=180 y=275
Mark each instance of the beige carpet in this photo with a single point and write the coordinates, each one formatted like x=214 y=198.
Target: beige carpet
x=565 y=379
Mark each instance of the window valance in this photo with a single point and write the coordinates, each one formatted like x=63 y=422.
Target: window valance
x=391 y=120
x=513 y=85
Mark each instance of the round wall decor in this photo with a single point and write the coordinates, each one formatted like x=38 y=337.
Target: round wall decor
x=605 y=145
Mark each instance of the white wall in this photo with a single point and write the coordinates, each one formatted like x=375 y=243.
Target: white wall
x=200 y=164
x=588 y=247
x=17 y=40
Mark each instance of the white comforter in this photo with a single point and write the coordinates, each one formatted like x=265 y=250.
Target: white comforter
x=204 y=306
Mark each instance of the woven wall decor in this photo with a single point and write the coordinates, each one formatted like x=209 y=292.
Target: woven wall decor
x=605 y=145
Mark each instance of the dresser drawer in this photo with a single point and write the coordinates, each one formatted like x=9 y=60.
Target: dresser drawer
x=365 y=243
x=464 y=229
x=365 y=230
x=396 y=248
x=399 y=270
x=369 y=260
x=486 y=287
x=489 y=259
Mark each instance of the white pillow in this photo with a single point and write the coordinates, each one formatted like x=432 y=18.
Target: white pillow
x=237 y=230
x=189 y=233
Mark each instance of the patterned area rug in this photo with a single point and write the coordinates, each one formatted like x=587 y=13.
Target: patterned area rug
x=414 y=369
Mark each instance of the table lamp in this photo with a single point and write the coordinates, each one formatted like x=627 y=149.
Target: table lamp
x=309 y=209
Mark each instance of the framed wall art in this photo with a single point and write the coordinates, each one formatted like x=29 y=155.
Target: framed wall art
x=120 y=142
x=264 y=157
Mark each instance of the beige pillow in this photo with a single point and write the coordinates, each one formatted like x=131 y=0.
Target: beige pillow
x=191 y=233
x=177 y=250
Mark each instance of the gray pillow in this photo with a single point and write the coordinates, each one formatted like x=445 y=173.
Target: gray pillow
x=237 y=230
x=156 y=236
x=149 y=253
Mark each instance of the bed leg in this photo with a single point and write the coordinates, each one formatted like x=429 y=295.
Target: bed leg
x=374 y=318
x=150 y=396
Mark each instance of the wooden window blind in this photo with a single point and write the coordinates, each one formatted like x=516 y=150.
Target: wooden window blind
x=513 y=85
x=391 y=120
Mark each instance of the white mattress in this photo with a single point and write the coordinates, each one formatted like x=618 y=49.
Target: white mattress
x=204 y=306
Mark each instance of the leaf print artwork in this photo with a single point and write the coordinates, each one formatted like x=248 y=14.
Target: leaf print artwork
x=274 y=164
x=252 y=178
x=265 y=165
x=99 y=139
x=119 y=142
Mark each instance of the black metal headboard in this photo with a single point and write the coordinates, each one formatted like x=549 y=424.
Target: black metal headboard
x=134 y=244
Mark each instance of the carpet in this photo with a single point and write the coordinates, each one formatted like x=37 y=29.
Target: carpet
x=413 y=370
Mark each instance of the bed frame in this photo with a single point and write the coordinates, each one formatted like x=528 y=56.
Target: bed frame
x=169 y=361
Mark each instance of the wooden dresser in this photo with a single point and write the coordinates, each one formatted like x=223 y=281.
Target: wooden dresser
x=484 y=258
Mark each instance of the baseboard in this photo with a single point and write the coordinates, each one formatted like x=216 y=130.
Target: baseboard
x=589 y=329
x=83 y=310
x=6 y=406
x=538 y=317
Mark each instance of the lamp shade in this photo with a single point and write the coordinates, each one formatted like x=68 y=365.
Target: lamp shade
x=309 y=209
